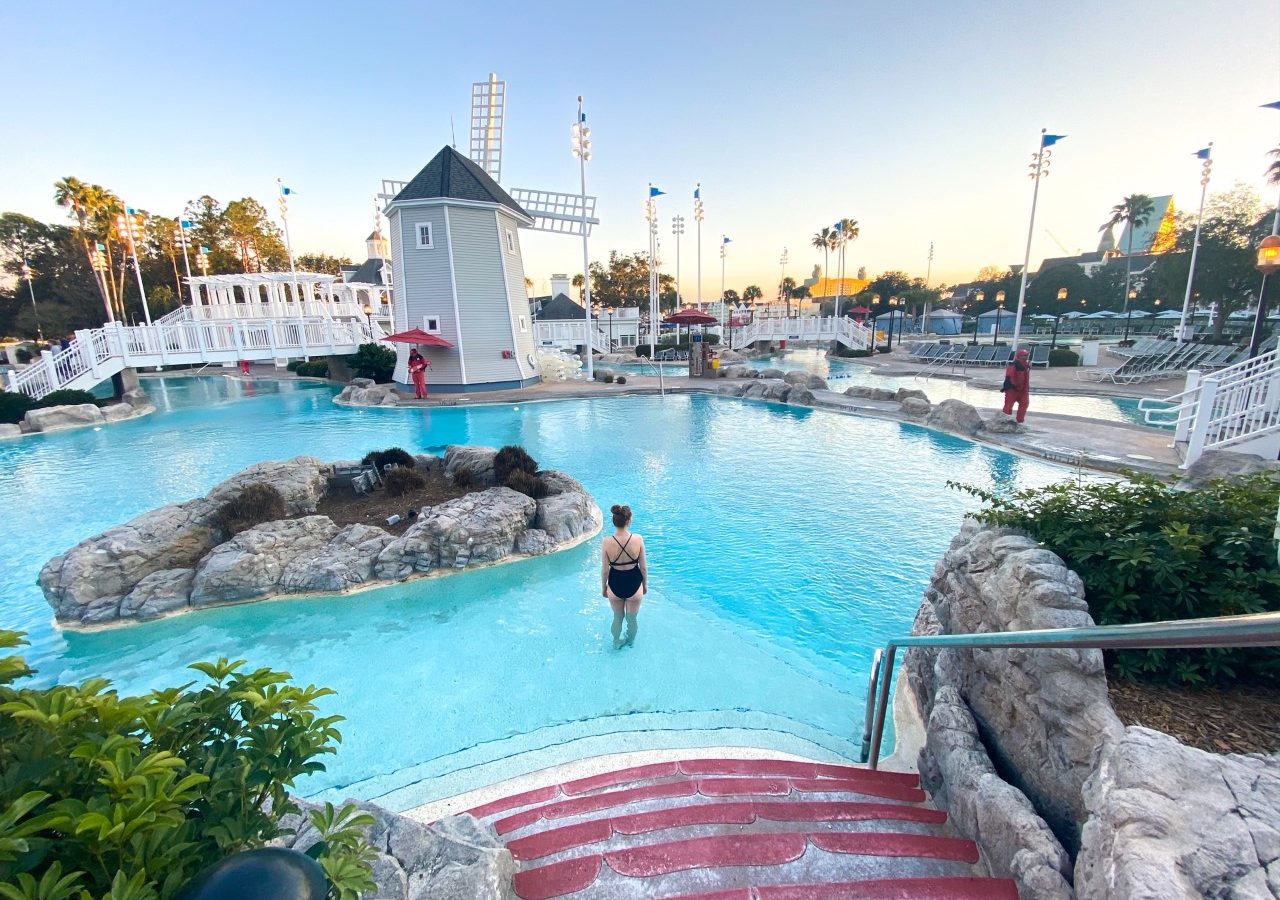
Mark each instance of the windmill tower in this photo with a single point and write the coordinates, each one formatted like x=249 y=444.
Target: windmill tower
x=455 y=251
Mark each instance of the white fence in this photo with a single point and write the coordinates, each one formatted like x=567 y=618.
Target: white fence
x=804 y=328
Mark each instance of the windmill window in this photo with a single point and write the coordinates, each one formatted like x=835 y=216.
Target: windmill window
x=424 y=236
x=511 y=241
x=524 y=323
x=432 y=324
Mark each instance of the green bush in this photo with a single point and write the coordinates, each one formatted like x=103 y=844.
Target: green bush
x=316 y=368
x=256 y=503
x=1061 y=356
x=66 y=398
x=293 y=365
x=392 y=456
x=607 y=378
x=530 y=485
x=24 y=355
x=14 y=406
x=400 y=480
x=373 y=361
x=621 y=379
x=849 y=353
x=117 y=797
x=1148 y=551
x=512 y=458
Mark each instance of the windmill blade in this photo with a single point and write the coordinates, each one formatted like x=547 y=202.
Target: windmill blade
x=488 y=111
x=391 y=187
x=557 y=212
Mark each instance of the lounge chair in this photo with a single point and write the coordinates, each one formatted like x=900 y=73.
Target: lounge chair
x=987 y=356
x=1040 y=355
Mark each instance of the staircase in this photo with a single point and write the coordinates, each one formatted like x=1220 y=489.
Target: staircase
x=805 y=328
x=721 y=829
x=98 y=353
x=1236 y=408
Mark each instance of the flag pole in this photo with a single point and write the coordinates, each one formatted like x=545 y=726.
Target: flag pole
x=1204 y=154
x=1039 y=167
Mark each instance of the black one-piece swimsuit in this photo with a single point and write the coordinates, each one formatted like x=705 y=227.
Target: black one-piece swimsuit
x=625 y=583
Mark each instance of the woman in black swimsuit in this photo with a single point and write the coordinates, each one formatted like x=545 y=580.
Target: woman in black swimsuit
x=624 y=572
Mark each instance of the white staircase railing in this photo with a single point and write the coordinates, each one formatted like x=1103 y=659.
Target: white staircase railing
x=1228 y=408
x=804 y=328
x=99 y=353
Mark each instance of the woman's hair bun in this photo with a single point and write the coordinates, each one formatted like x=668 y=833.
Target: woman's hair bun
x=616 y=508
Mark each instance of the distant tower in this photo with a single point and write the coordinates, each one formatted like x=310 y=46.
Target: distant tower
x=377 y=246
x=1108 y=242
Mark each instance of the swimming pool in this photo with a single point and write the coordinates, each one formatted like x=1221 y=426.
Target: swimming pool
x=786 y=544
x=841 y=374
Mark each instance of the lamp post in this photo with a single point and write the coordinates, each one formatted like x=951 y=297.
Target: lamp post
x=368 y=317
x=580 y=140
x=29 y=275
x=893 y=316
x=1184 y=327
x=784 y=294
x=1062 y=295
x=202 y=260
x=995 y=338
x=1128 y=314
x=724 y=252
x=1268 y=261
x=697 y=218
x=677 y=229
x=129 y=224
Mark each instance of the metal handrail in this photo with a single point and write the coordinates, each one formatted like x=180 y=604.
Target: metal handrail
x=1257 y=630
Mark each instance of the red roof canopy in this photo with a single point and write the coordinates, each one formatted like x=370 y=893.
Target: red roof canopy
x=859 y=310
x=418 y=336
x=690 y=316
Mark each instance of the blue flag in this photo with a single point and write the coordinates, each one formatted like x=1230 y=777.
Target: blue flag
x=1048 y=140
x=654 y=192
x=697 y=193
x=728 y=241
x=184 y=223
x=285 y=191
x=1202 y=154
x=1275 y=105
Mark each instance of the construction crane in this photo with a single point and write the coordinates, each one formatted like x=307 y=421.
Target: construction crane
x=1065 y=251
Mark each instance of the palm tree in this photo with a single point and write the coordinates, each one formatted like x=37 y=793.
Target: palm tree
x=70 y=192
x=788 y=288
x=822 y=240
x=103 y=207
x=751 y=293
x=1273 y=170
x=1134 y=210
x=848 y=233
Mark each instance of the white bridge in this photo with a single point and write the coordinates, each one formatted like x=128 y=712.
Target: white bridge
x=805 y=328
x=98 y=353
x=567 y=334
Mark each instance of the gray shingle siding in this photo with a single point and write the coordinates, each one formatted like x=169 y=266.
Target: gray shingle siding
x=424 y=284
x=483 y=299
x=518 y=297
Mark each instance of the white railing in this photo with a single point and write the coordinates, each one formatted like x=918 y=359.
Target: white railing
x=101 y=352
x=267 y=310
x=804 y=328
x=1228 y=408
x=568 y=333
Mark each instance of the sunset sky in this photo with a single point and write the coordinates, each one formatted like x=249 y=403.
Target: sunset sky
x=918 y=120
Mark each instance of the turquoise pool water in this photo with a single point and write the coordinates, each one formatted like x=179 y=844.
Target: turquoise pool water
x=841 y=374
x=786 y=544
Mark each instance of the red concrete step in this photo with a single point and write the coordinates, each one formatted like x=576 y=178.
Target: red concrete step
x=944 y=888
x=755 y=768
x=568 y=837
x=772 y=848
x=707 y=787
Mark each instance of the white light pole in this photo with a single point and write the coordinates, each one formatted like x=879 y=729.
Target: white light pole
x=1039 y=169
x=99 y=261
x=288 y=246
x=29 y=275
x=724 y=251
x=651 y=216
x=1204 y=154
x=129 y=223
x=181 y=235
x=677 y=228
x=580 y=145
x=697 y=217
x=783 y=293
x=928 y=276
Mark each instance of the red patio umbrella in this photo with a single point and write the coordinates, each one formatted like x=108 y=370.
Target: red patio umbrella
x=689 y=316
x=859 y=312
x=417 y=336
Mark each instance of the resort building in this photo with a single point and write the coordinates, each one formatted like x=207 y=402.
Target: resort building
x=558 y=321
x=458 y=272
x=1157 y=236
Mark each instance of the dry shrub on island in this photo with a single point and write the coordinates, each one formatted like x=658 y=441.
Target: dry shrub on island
x=400 y=480
x=255 y=504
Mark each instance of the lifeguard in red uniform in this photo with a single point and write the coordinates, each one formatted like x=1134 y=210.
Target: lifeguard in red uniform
x=1017 y=385
x=418 y=366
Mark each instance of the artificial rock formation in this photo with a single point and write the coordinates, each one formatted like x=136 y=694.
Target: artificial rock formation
x=133 y=404
x=1043 y=714
x=764 y=388
x=456 y=858
x=176 y=558
x=955 y=416
x=364 y=392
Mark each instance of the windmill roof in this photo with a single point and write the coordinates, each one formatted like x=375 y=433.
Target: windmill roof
x=560 y=308
x=451 y=175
